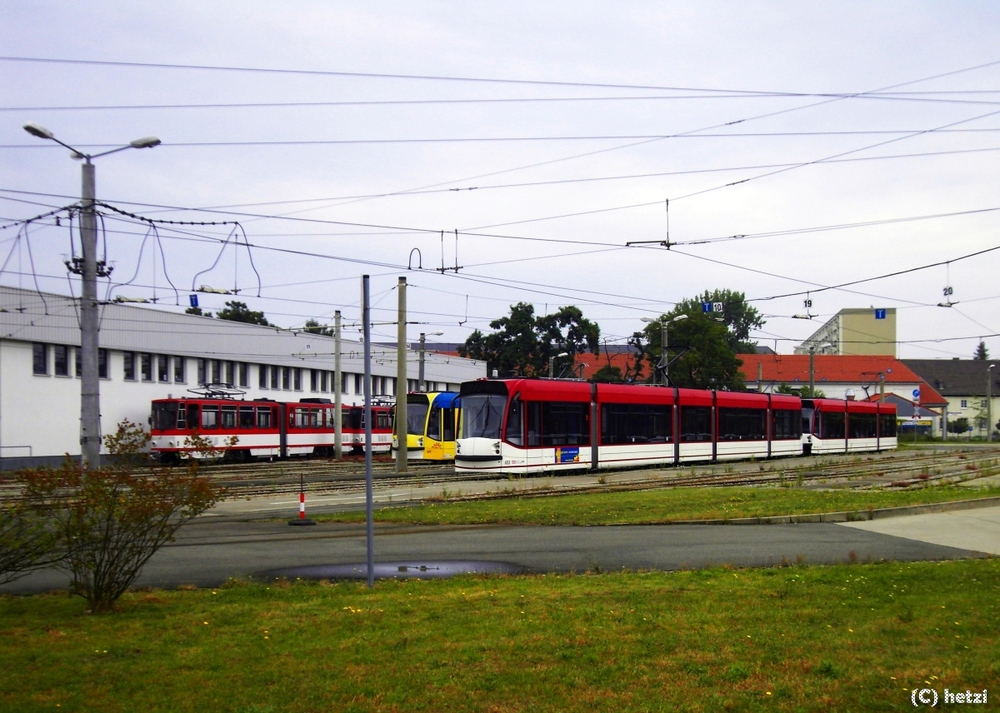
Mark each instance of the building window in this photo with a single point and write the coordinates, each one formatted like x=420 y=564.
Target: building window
x=216 y=371
x=230 y=373
x=179 y=370
x=261 y=376
x=297 y=379
x=78 y=362
x=40 y=359
x=146 y=366
x=286 y=380
x=129 y=361
x=244 y=374
x=275 y=378
x=313 y=380
x=162 y=368
x=61 y=359
x=102 y=363
x=202 y=372
x=358 y=385
x=965 y=403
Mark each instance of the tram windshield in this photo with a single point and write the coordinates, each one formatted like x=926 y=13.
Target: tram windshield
x=165 y=416
x=416 y=416
x=482 y=415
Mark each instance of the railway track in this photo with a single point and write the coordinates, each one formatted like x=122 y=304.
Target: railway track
x=889 y=469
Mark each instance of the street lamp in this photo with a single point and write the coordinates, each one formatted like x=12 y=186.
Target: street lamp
x=663 y=367
x=89 y=270
x=420 y=371
x=552 y=363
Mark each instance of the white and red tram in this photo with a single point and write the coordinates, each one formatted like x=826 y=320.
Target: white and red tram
x=263 y=428
x=517 y=426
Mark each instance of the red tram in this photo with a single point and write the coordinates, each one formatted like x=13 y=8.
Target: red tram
x=540 y=425
x=263 y=428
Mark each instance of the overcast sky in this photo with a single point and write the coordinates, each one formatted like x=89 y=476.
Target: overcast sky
x=845 y=141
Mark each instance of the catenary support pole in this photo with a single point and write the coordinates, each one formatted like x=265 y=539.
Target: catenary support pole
x=401 y=454
x=90 y=398
x=338 y=400
x=369 y=494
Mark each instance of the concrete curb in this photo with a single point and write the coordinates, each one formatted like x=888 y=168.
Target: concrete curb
x=851 y=515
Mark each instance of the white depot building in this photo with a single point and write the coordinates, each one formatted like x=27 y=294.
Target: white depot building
x=149 y=354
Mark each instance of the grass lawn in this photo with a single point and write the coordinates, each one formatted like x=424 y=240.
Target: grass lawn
x=852 y=637
x=661 y=506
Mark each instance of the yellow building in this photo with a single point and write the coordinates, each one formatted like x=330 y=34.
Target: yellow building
x=859 y=332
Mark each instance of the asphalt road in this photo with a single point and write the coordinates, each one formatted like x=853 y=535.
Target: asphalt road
x=208 y=552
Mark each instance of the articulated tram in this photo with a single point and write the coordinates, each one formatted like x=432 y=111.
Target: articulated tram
x=517 y=426
x=263 y=428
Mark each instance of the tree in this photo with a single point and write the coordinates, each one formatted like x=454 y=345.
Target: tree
x=522 y=344
x=738 y=316
x=959 y=425
x=110 y=521
x=699 y=353
x=197 y=311
x=804 y=392
x=981 y=353
x=314 y=327
x=236 y=311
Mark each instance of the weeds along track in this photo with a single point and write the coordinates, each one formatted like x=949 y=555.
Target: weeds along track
x=889 y=469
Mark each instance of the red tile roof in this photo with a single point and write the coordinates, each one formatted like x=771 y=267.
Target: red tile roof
x=794 y=368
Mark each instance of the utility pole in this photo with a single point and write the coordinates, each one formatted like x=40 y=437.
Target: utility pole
x=338 y=405
x=89 y=269
x=401 y=429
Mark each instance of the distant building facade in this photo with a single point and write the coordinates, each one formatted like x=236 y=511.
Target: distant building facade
x=149 y=354
x=970 y=386
x=857 y=332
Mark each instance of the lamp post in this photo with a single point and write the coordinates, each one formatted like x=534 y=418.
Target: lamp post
x=89 y=270
x=420 y=371
x=552 y=363
x=663 y=367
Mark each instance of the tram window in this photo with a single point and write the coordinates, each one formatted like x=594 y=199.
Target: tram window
x=832 y=425
x=448 y=424
x=314 y=418
x=515 y=422
x=635 y=423
x=534 y=423
x=40 y=359
x=696 y=424
x=181 y=417
x=246 y=417
x=434 y=425
x=192 y=416
x=162 y=368
x=742 y=424
x=128 y=361
x=564 y=424
x=61 y=359
x=382 y=420
x=887 y=425
x=179 y=369
x=862 y=425
x=264 y=418
x=209 y=417
x=786 y=425
x=228 y=417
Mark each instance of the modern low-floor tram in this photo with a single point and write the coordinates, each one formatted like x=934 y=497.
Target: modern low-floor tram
x=518 y=426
